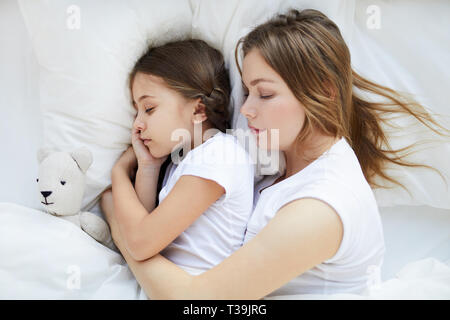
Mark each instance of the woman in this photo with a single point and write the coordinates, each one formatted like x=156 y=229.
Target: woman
x=316 y=227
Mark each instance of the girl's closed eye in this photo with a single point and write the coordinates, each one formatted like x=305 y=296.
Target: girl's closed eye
x=149 y=109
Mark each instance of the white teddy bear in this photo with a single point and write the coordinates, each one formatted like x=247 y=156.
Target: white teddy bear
x=61 y=183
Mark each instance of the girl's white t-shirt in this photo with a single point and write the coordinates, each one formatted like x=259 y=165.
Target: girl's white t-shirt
x=335 y=178
x=220 y=230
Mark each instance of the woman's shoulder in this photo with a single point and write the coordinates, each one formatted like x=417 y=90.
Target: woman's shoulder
x=336 y=176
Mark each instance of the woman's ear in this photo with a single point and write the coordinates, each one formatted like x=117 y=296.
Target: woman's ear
x=199 y=113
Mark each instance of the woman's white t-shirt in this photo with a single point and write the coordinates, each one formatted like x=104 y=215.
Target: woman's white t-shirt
x=220 y=230
x=335 y=178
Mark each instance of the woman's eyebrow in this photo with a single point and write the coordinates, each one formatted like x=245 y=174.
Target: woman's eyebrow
x=256 y=81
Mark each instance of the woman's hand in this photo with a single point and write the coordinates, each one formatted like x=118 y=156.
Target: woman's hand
x=143 y=155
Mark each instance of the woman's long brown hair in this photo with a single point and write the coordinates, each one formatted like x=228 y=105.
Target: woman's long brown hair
x=307 y=50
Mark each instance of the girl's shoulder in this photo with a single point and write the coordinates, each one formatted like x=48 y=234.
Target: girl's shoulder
x=222 y=148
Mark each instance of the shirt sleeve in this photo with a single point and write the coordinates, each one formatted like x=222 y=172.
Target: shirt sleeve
x=343 y=202
x=223 y=161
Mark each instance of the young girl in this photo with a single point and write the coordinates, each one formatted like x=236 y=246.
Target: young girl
x=316 y=226
x=180 y=91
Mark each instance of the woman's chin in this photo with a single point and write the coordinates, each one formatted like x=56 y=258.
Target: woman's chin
x=263 y=144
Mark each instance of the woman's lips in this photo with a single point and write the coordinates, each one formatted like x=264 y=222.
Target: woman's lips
x=147 y=141
x=255 y=130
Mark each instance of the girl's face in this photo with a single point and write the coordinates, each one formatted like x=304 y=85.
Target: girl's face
x=160 y=111
x=270 y=104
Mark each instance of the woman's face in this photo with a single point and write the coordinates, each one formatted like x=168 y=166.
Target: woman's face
x=160 y=111
x=270 y=104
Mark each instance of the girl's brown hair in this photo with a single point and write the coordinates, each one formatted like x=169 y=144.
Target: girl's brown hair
x=307 y=50
x=193 y=69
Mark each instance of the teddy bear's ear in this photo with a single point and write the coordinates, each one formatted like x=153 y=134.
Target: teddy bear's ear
x=42 y=153
x=83 y=157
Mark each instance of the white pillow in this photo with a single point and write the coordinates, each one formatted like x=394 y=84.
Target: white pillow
x=409 y=57
x=85 y=50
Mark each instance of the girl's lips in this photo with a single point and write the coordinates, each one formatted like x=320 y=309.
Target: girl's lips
x=147 y=141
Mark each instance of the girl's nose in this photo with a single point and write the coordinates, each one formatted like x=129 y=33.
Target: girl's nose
x=138 y=124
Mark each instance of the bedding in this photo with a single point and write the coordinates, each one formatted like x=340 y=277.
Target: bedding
x=45 y=257
x=427 y=279
x=85 y=51
x=49 y=92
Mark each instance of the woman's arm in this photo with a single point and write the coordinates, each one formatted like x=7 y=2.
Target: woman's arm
x=302 y=234
x=139 y=268
x=147 y=234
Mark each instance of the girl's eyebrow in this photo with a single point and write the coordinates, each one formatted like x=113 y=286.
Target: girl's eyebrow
x=143 y=97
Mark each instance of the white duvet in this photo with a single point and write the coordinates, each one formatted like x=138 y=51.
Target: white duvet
x=44 y=257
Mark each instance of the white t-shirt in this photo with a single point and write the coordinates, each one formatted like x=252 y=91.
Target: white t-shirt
x=337 y=179
x=220 y=230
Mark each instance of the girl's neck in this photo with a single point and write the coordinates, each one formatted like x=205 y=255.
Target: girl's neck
x=206 y=125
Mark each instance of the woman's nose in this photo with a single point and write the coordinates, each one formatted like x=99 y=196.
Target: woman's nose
x=247 y=110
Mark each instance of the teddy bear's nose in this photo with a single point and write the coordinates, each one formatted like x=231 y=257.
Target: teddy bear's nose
x=46 y=193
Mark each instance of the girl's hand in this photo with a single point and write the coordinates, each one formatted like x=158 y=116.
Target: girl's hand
x=127 y=162
x=143 y=155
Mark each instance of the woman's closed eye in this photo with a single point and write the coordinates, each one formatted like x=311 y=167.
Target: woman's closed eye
x=261 y=97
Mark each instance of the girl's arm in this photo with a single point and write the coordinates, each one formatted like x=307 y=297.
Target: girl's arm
x=302 y=234
x=146 y=186
x=147 y=234
x=147 y=173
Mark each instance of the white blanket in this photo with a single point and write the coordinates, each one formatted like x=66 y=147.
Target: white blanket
x=426 y=279
x=44 y=257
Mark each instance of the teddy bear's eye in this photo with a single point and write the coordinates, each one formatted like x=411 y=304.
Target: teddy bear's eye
x=63 y=182
x=37 y=180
